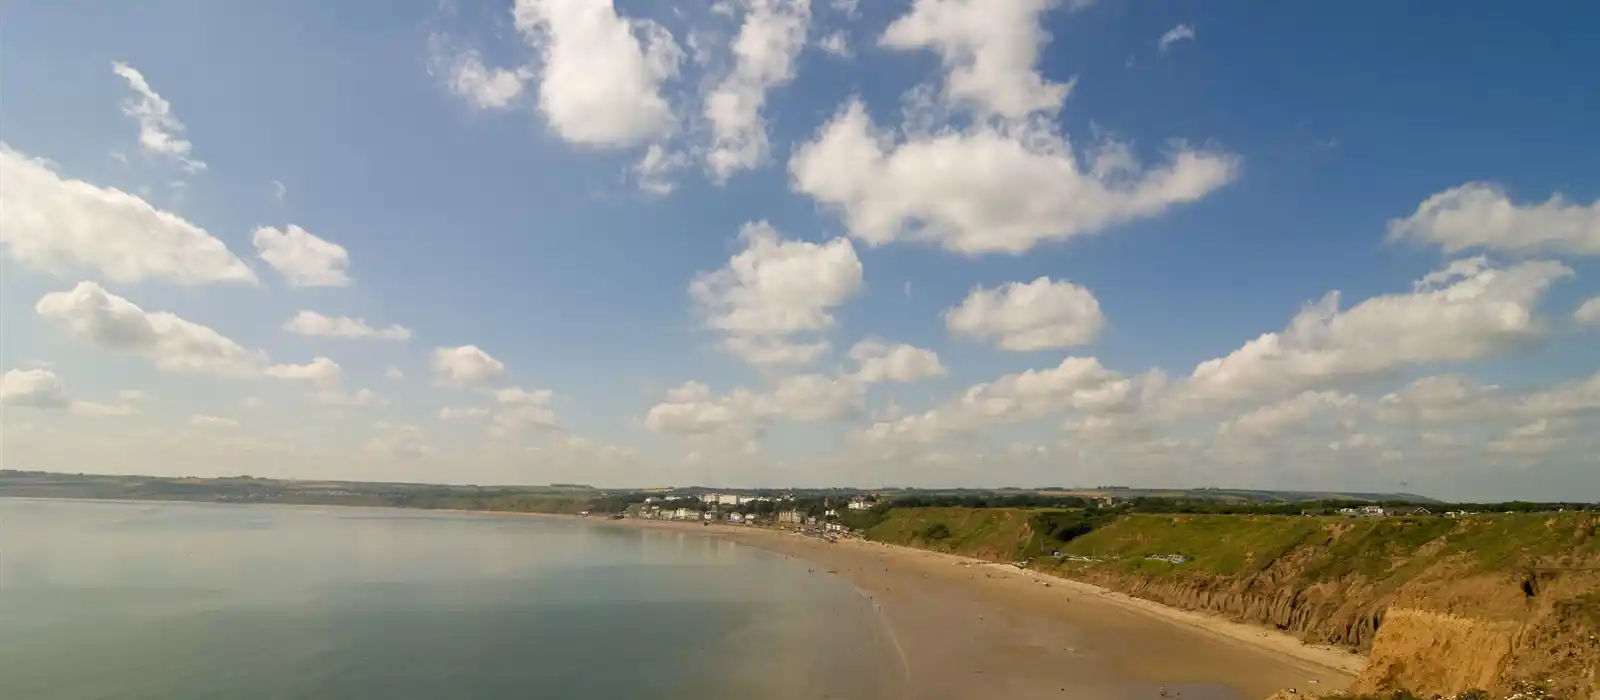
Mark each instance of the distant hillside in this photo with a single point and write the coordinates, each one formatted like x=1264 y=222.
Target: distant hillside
x=1440 y=605
x=1243 y=495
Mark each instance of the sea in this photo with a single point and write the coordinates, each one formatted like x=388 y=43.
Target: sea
x=103 y=600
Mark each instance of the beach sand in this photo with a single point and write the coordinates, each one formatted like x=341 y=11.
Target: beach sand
x=965 y=628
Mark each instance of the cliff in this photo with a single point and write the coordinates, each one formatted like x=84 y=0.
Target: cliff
x=1440 y=606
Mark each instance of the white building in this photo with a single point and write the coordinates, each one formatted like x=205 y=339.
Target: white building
x=862 y=502
x=729 y=499
x=684 y=514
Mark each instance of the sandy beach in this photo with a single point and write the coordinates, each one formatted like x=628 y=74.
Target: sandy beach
x=965 y=628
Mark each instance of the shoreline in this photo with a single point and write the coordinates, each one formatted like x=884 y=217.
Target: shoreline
x=1170 y=646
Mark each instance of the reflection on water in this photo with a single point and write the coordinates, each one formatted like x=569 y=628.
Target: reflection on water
x=173 y=601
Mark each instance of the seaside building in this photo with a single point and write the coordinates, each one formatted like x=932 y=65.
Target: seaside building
x=863 y=502
x=791 y=517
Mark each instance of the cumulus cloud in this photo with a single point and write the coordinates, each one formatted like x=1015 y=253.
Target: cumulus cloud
x=466 y=367
x=105 y=320
x=1077 y=384
x=1037 y=315
x=774 y=289
x=200 y=420
x=837 y=44
x=881 y=362
x=1182 y=32
x=312 y=323
x=466 y=76
x=35 y=388
x=1032 y=187
x=303 y=260
x=1481 y=215
x=1276 y=418
x=160 y=132
x=741 y=416
x=319 y=371
x=1468 y=310
x=600 y=82
x=764 y=57
x=1588 y=313
x=520 y=411
x=988 y=48
x=59 y=225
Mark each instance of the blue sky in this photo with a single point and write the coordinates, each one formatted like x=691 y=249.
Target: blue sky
x=483 y=168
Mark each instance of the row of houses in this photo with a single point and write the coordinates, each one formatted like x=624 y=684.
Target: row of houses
x=1378 y=511
x=738 y=499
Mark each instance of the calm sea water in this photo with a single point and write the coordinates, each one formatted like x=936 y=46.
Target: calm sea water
x=103 y=600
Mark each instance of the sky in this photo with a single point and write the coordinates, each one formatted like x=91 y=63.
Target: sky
x=744 y=243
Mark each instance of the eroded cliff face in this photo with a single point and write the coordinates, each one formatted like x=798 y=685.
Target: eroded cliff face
x=1439 y=606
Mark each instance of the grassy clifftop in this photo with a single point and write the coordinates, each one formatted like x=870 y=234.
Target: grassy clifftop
x=1441 y=605
x=1000 y=534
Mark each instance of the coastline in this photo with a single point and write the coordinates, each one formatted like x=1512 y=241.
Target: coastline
x=1028 y=632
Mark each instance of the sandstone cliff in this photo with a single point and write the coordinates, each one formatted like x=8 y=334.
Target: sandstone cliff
x=1440 y=606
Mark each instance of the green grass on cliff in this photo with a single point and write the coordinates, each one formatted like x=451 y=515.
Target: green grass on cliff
x=1323 y=548
x=1001 y=534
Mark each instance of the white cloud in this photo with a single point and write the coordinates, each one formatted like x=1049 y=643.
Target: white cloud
x=1030 y=189
x=279 y=191
x=466 y=76
x=314 y=324
x=881 y=362
x=1481 y=215
x=58 y=225
x=988 y=47
x=1182 y=32
x=1466 y=311
x=1029 y=316
x=173 y=344
x=452 y=414
x=600 y=82
x=40 y=388
x=106 y=320
x=36 y=388
x=199 y=420
x=466 y=367
x=252 y=403
x=1078 y=383
x=1539 y=437
x=160 y=132
x=518 y=396
x=813 y=398
x=302 y=259
x=1276 y=418
x=764 y=56
x=320 y=371
x=837 y=44
x=393 y=373
x=355 y=399
x=1446 y=398
x=1588 y=313
x=655 y=168
x=740 y=417
x=774 y=289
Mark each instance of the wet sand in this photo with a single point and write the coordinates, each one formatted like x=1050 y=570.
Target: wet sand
x=964 y=628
